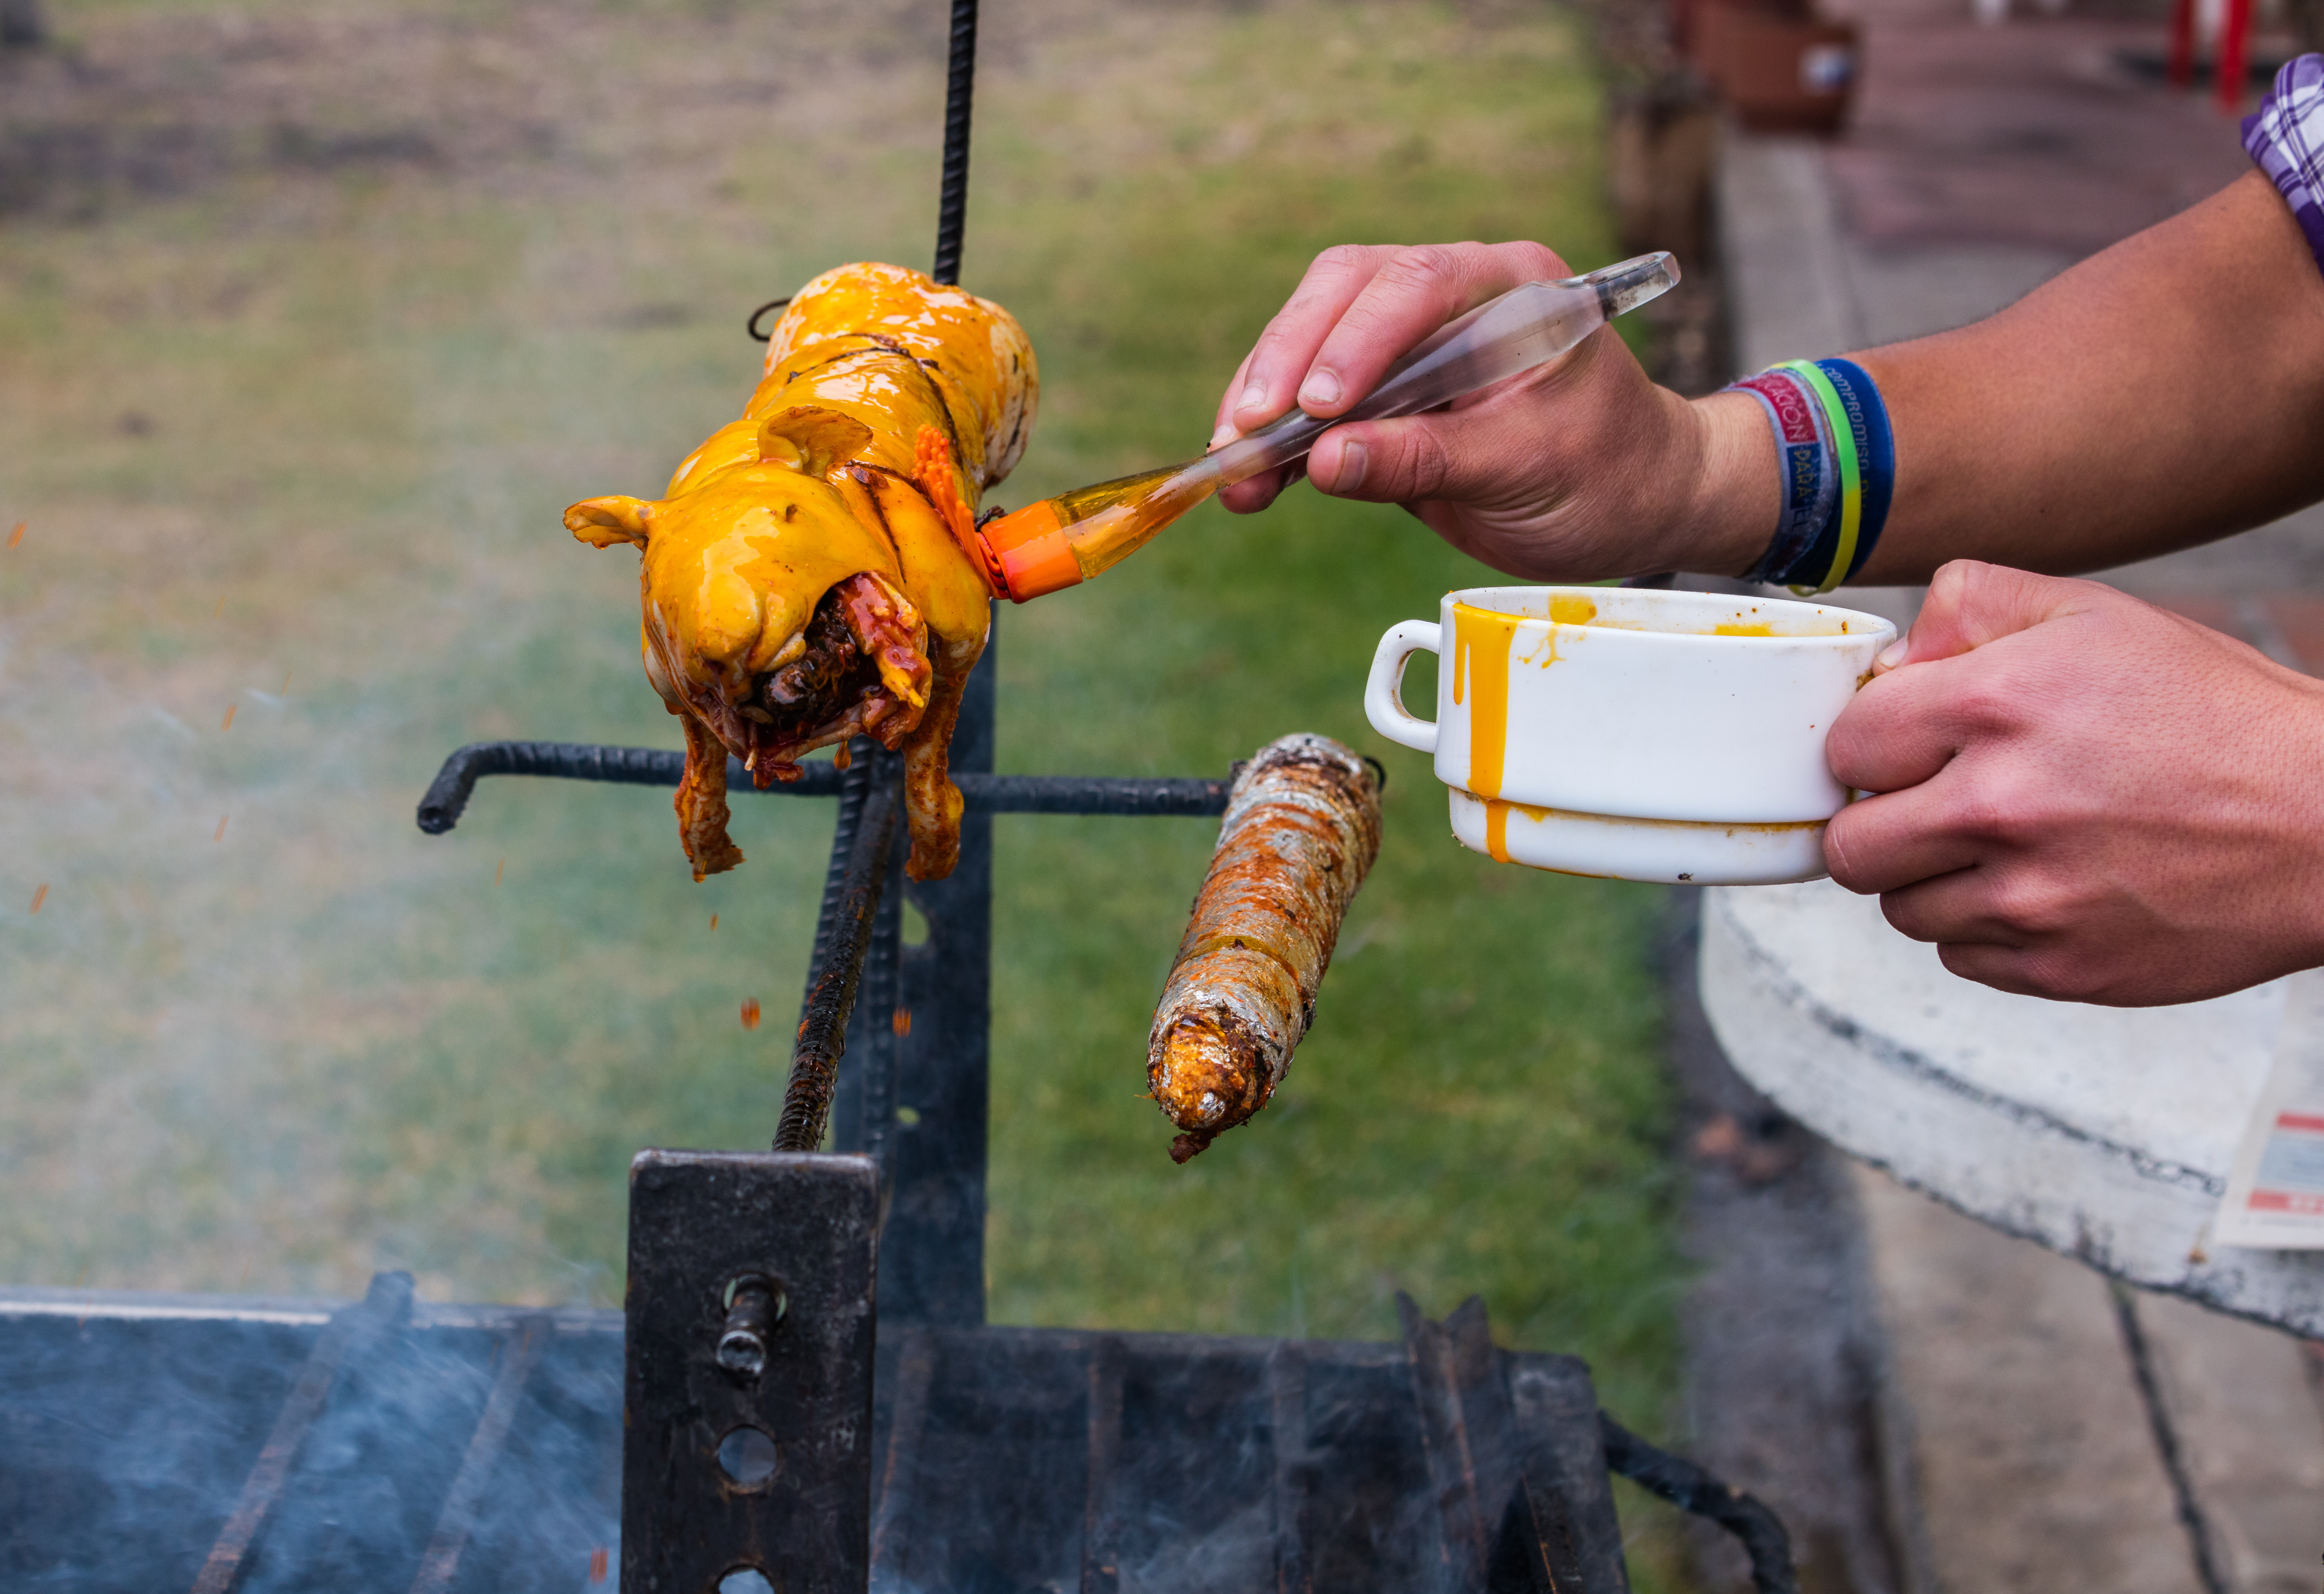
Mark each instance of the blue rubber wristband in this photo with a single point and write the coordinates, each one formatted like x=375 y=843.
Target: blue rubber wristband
x=1867 y=420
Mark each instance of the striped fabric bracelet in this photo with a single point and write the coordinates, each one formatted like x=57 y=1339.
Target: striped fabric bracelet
x=1840 y=471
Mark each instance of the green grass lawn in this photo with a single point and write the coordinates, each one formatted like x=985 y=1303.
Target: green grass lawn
x=295 y=438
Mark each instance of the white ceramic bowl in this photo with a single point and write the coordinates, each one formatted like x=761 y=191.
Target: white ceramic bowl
x=1634 y=733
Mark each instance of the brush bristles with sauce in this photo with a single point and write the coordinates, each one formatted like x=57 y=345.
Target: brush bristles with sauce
x=1302 y=827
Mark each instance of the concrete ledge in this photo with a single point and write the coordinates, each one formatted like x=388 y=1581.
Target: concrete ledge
x=2103 y=1133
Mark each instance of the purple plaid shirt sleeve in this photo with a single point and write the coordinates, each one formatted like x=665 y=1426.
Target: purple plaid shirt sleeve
x=2286 y=137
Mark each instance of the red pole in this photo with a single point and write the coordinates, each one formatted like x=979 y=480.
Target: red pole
x=2235 y=54
x=2182 y=44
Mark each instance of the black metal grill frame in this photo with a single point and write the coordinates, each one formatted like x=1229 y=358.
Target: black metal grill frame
x=927 y=1251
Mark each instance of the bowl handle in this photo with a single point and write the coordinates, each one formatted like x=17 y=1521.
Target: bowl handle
x=1383 y=695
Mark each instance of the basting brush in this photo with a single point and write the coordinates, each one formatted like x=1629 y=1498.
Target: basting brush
x=1063 y=541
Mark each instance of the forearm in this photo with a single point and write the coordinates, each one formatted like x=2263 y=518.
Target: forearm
x=2163 y=393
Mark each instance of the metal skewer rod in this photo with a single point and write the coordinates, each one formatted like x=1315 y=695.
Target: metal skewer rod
x=960 y=85
x=851 y=909
x=449 y=795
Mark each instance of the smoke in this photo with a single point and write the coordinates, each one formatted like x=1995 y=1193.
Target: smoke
x=1163 y=1465
x=129 y=1426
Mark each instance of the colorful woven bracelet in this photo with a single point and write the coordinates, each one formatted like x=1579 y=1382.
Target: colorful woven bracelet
x=1840 y=471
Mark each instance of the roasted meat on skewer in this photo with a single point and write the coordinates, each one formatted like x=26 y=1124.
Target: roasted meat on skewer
x=813 y=573
x=1302 y=827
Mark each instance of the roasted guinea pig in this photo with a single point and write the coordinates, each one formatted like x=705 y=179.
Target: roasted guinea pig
x=814 y=572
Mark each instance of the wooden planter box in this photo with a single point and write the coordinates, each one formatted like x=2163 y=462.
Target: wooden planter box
x=1779 y=74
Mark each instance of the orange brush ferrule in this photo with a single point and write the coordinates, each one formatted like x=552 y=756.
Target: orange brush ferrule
x=1032 y=551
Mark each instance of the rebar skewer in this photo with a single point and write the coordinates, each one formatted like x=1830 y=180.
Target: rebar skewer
x=851 y=907
x=960 y=85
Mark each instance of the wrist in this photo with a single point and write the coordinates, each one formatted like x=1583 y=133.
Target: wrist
x=1731 y=500
x=2300 y=824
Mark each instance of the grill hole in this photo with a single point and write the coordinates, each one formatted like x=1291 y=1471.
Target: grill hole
x=747 y=1456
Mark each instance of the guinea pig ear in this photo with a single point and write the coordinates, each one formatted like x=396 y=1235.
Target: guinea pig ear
x=810 y=440
x=605 y=521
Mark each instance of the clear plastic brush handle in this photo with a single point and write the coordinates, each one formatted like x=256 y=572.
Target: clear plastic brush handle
x=1526 y=327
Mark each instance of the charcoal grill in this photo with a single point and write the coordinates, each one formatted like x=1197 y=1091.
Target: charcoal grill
x=748 y=1413
x=801 y=1393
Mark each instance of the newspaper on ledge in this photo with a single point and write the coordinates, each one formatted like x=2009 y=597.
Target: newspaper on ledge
x=2275 y=1193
